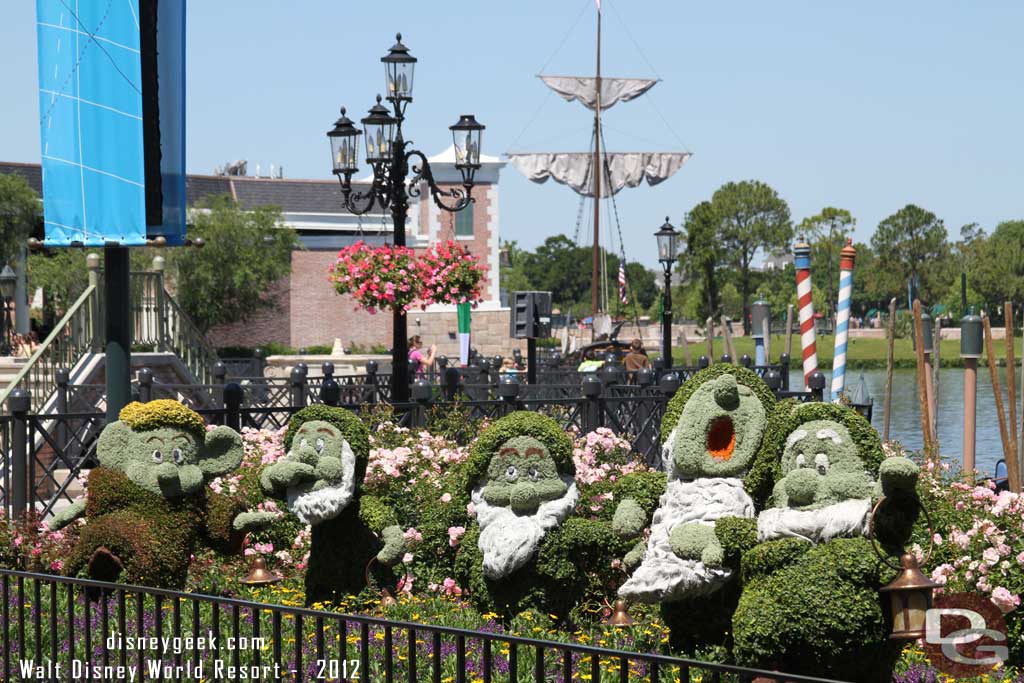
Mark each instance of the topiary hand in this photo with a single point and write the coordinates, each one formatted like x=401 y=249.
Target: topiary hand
x=695 y=541
x=629 y=519
x=67 y=515
x=285 y=474
x=252 y=521
x=635 y=556
x=394 y=546
x=898 y=474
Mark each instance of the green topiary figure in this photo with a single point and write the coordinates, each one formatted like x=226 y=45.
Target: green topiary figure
x=321 y=479
x=810 y=600
x=519 y=478
x=147 y=503
x=712 y=431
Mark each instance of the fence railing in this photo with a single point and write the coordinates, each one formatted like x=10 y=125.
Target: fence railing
x=104 y=628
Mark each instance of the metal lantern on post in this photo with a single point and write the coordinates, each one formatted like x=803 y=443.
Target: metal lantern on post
x=668 y=247
x=910 y=593
x=395 y=179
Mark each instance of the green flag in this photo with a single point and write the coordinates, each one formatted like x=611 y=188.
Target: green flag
x=464 y=316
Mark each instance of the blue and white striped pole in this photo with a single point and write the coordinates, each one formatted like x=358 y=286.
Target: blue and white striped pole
x=846 y=259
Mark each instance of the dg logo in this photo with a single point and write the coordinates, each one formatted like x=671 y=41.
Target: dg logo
x=965 y=635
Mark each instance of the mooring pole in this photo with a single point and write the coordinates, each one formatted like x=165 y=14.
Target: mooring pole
x=889 y=358
x=922 y=382
x=117 y=291
x=970 y=350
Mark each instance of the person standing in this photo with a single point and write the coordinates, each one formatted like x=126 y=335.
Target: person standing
x=422 y=361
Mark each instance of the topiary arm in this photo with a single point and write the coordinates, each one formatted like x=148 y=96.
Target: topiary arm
x=736 y=534
x=329 y=468
x=67 y=515
x=253 y=521
x=898 y=474
x=220 y=512
x=635 y=556
x=376 y=514
x=284 y=474
x=394 y=546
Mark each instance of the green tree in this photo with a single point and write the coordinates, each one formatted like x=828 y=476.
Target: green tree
x=995 y=266
x=19 y=212
x=751 y=218
x=703 y=256
x=641 y=286
x=826 y=233
x=911 y=246
x=513 y=277
x=229 y=279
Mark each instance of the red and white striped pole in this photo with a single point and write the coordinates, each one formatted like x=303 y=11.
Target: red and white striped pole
x=808 y=343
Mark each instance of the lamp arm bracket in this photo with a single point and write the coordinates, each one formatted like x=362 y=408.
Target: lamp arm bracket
x=874 y=543
x=421 y=171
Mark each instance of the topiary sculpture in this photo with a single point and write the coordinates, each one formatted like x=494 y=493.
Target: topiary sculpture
x=713 y=426
x=321 y=479
x=810 y=598
x=519 y=478
x=147 y=503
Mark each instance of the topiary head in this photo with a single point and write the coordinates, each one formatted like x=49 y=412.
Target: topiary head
x=719 y=430
x=522 y=475
x=821 y=466
x=319 y=430
x=164 y=447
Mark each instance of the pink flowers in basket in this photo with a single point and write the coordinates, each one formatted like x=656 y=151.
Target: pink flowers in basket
x=390 y=277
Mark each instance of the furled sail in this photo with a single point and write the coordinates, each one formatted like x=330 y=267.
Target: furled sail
x=575 y=169
x=613 y=90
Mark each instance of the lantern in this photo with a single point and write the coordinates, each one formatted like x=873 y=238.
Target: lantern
x=668 y=243
x=379 y=127
x=398 y=71
x=910 y=597
x=344 y=139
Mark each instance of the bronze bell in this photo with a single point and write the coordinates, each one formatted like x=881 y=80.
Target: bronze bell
x=620 y=615
x=259 y=575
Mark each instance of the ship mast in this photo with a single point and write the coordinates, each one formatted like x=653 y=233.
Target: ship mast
x=597 y=169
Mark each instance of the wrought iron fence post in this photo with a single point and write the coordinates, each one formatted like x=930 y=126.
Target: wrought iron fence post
x=233 y=395
x=726 y=358
x=220 y=378
x=18 y=404
x=298 y=385
x=161 y=321
x=451 y=382
x=92 y=262
x=330 y=390
x=422 y=393
x=508 y=392
x=745 y=361
x=261 y=361
x=703 y=362
x=592 y=402
x=784 y=370
x=370 y=393
x=145 y=377
x=62 y=377
x=816 y=384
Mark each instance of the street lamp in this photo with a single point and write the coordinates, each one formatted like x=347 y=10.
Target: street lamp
x=668 y=248
x=8 y=284
x=392 y=185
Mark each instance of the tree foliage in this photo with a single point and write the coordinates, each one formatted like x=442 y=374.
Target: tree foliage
x=19 y=211
x=911 y=247
x=229 y=279
x=751 y=218
x=703 y=255
x=826 y=233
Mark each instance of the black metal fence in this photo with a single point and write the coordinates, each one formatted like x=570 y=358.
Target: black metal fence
x=95 y=631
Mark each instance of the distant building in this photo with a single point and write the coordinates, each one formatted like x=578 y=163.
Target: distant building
x=309 y=311
x=778 y=259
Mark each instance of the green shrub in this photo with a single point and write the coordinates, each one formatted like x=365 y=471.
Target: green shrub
x=519 y=423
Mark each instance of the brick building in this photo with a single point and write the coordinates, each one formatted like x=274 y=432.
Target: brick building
x=309 y=311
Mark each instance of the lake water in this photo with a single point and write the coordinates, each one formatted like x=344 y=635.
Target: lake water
x=905 y=421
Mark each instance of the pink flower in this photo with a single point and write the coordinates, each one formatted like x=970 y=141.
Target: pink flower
x=471 y=511
x=454 y=534
x=446 y=498
x=412 y=535
x=1005 y=600
x=407 y=558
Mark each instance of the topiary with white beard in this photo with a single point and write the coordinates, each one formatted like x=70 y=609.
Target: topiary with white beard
x=321 y=480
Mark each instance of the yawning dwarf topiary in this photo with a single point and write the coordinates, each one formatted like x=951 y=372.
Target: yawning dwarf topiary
x=810 y=600
x=147 y=503
x=520 y=481
x=321 y=479
x=713 y=426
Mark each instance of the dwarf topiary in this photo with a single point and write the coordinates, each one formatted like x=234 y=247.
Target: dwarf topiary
x=810 y=599
x=147 y=503
x=520 y=481
x=321 y=478
x=713 y=428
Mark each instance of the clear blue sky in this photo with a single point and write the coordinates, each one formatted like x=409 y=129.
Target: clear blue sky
x=864 y=105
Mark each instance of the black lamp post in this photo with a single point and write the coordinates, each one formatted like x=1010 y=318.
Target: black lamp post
x=668 y=248
x=392 y=187
x=8 y=283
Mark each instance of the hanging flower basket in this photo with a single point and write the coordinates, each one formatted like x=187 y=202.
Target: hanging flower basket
x=377 y=277
x=449 y=274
